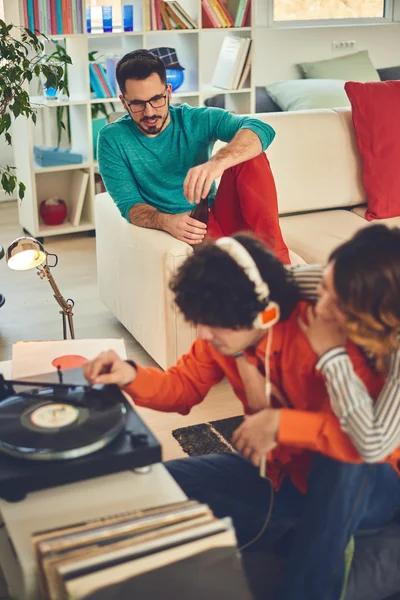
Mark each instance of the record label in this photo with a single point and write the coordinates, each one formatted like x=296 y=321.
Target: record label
x=54 y=416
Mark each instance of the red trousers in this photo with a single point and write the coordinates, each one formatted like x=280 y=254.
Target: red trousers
x=246 y=201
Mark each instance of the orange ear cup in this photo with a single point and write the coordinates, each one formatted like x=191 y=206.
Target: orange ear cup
x=270 y=315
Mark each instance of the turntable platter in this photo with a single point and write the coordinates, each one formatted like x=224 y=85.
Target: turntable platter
x=50 y=425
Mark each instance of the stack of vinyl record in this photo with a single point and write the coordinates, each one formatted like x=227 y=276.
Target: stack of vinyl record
x=174 y=552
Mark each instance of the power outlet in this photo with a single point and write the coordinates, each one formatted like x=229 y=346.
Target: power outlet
x=344 y=45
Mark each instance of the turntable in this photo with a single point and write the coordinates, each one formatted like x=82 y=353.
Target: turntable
x=56 y=433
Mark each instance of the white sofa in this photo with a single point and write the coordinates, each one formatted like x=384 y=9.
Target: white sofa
x=317 y=170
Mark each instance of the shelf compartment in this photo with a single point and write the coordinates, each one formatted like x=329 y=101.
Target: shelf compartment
x=59 y=184
x=187 y=50
x=45 y=133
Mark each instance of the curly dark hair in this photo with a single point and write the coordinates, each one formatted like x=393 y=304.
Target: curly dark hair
x=139 y=64
x=211 y=289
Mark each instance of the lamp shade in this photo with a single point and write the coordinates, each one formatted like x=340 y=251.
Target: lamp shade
x=25 y=253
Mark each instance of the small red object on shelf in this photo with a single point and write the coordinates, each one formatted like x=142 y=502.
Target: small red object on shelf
x=53 y=211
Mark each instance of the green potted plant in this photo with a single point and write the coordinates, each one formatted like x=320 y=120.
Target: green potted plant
x=22 y=59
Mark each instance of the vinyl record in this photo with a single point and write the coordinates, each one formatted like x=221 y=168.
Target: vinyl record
x=54 y=425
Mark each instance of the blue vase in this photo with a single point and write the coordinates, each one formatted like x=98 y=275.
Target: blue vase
x=175 y=77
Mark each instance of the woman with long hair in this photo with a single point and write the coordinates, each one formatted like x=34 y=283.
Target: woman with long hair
x=358 y=297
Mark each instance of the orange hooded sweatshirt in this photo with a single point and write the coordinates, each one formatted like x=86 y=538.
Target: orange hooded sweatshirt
x=308 y=426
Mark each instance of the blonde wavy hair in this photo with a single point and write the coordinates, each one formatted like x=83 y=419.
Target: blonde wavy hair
x=367 y=282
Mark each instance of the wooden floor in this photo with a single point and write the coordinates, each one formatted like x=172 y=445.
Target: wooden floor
x=31 y=313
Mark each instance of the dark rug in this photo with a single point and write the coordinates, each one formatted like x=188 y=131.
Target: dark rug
x=214 y=437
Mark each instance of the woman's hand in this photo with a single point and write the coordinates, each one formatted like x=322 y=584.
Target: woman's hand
x=257 y=435
x=108 y=368
x=323 y=335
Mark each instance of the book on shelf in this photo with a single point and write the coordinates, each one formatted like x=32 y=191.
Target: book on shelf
x=111 y=69
x=245 y=45
x=221 y=16
x=184 y=15
x=231 y=62
x=246 y=69
x=53 y=17
x=146 y=9
x=99 y=81
x=166 y=15
x=227 y=16
x=209 y=18
x=78 y=189
x=242 y=13
x=153 y=17
x=216 y=14
x=175 y=16
x=95 y=556
x=158 y=20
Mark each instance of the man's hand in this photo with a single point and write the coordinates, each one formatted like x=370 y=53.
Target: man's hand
x=199 y=179
x=107 y=368
x=184 y=228
x=322 y=335
x=257 y=435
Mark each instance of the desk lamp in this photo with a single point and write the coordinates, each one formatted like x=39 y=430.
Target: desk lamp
x=27 y=253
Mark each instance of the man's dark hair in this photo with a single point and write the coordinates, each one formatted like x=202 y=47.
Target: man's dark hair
x=212 y=289
x=139 y=64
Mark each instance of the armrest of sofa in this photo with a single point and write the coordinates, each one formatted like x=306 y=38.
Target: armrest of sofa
x=134 y=268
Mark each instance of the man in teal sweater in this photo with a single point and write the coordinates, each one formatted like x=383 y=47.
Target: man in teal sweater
x=156 y=161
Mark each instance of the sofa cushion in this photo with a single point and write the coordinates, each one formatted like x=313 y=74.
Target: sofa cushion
x=306 y=94
x=361 y=212
x=264 y=102
x=313 y=160
x=351 y=67
x=376 y=117
x=375 y=572
x=313 y=236
x=389 y=73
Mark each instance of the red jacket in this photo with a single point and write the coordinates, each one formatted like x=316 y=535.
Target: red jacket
x=309 y=425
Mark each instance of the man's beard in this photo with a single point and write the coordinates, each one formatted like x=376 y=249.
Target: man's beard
x=153 y=129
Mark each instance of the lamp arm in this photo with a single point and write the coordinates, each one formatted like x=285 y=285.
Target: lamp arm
x=66 y=305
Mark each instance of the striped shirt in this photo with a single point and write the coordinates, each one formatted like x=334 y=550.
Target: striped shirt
x=374 y=428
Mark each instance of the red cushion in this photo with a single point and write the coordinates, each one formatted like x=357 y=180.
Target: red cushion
x=376 y=118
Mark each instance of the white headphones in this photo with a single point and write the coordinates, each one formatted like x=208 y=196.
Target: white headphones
x=271 y=313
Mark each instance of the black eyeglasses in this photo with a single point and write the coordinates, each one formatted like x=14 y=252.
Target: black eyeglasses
x=136 y=106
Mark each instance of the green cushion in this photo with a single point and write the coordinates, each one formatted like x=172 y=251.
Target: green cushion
x=305 y=94
x=352 y=67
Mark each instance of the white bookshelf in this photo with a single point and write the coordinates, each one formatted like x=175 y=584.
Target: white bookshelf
x=197 y=51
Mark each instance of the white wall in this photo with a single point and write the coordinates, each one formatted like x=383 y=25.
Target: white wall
x=279 y=50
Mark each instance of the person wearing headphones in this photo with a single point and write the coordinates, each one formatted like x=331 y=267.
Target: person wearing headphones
x=357 y=298
x=247 y=311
